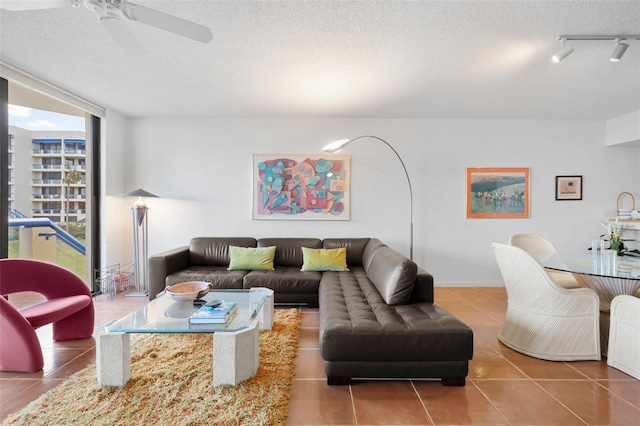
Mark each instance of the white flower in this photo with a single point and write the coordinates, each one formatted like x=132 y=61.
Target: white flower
x=614 y=229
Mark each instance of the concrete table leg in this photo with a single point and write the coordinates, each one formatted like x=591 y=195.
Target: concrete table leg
x=113 y=358
x=236 y=355
x=265 y=316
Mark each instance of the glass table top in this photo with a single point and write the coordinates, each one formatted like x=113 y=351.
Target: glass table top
x=589 y=264
x=165 y=315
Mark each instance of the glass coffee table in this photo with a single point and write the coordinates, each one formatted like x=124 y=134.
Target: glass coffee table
x=236 y=346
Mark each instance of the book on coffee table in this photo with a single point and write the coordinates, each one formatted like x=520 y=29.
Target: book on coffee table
x=214 y=315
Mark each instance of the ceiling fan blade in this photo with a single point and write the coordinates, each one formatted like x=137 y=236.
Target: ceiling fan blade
x=18 y=5
x=122 y=34
x=167 y=22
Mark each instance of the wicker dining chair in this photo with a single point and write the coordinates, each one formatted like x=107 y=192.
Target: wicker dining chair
x=541 y=249
x=543 y=319
x=624 y=338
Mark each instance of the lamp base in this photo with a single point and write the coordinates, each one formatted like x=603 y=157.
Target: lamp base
x=137 y=294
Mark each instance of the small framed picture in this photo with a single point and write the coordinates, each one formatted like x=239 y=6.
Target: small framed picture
x=568 y=188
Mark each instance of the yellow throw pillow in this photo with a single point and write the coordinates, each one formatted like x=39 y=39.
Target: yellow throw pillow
x=324 y=259
x=251 y=258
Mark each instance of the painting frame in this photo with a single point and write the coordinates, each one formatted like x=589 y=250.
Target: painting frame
x=301 y=187
x=498 y=192
x=569 y=188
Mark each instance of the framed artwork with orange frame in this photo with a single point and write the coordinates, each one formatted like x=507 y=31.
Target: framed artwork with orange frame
x=498 y=192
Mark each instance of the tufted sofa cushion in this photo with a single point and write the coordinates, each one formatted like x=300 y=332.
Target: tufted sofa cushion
x=393 y=275
x=357 y=325
x=204 y=251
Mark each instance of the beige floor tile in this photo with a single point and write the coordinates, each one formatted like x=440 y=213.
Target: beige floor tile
x=536 y=368
x=488 y=334
x=491 y=306
x=388 y=403
x=310 y=319
x=454 y=405
x=598 y=370
x=523 y=402
x=476 y=318
x=309 y=365
x=592 y=402
x=628 y=389
x=309 y=338
x=490 y=364
x=313 y=402
x=456 y=306
x=442 y=293
x=471 y=294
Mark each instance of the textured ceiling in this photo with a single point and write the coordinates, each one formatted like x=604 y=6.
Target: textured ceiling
x=435 y=59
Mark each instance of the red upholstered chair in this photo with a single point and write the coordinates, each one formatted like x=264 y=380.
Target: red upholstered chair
x=68 y=306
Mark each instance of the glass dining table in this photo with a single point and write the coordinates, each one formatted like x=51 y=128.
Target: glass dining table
x=609 y=278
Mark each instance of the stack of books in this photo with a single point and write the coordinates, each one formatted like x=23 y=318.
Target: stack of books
x=220 y=314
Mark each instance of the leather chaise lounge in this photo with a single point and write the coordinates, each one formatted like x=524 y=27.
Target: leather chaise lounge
x=378 y=319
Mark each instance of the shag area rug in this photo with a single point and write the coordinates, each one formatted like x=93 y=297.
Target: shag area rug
x=172 y=384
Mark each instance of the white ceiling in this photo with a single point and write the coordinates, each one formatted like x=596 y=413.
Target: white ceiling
x=407 y=59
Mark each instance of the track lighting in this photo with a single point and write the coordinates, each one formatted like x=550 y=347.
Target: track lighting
x=621 y=40
x=563 y=53
x=618 y=51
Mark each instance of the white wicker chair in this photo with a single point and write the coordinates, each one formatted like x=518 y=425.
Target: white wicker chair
x=541 y=249
x=543 y=319
x=624 y=335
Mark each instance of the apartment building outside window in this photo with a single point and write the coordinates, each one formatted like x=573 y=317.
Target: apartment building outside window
x=44 y=161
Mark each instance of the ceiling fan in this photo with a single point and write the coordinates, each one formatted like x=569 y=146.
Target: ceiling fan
x=113 y=14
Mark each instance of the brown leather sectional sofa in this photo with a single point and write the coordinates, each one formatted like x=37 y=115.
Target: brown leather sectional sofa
x=377 y=320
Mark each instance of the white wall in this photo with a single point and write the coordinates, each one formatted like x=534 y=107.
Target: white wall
x=202 y=169
x=624 y=129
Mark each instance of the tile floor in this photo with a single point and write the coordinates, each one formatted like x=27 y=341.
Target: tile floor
x=503 y=387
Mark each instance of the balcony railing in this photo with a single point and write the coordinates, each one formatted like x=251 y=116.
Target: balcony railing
x=57 y=211
x=40 y=166
x=47 y=151
x=75 y=167
x=46 y=196
x=46 y=181
x=46 y=211
x=71 y=151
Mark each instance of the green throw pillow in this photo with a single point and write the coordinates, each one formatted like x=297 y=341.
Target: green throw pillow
x=251 y=258
x=324 y=259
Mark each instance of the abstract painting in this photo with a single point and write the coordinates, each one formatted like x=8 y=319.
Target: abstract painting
x=301 y=187
x=497 y=192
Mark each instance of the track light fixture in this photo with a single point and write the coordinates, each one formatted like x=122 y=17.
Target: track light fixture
x=563 y=53
x=618 y=51
x=615 y=56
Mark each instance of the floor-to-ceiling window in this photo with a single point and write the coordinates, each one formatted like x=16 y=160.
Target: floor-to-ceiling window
x=49 y=185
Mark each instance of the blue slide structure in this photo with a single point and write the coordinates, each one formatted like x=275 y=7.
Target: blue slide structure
x=62 y=235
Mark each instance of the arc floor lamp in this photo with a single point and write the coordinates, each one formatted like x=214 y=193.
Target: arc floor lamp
x=139 y=213
x=342 y=143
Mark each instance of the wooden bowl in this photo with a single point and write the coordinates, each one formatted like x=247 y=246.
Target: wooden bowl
x=188 y=291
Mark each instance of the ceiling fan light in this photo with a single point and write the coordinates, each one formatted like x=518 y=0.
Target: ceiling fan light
x=618 y=52
x=562 y=53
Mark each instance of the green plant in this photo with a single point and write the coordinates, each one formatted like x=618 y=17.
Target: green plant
x=616 y=242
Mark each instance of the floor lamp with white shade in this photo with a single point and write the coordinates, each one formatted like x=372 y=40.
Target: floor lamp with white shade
x=340 y=144
x=139 y=213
